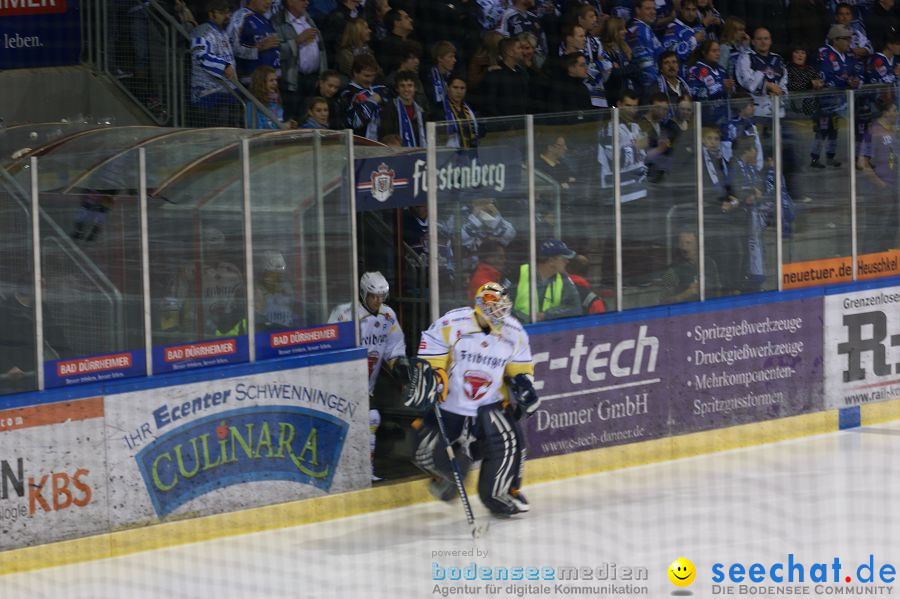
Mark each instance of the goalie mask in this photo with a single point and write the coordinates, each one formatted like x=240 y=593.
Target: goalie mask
x=492 y=303
x=374 y=284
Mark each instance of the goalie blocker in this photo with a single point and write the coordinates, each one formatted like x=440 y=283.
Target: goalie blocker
x=476 y=363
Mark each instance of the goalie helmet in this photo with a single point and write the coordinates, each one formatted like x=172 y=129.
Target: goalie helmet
x=492 y=302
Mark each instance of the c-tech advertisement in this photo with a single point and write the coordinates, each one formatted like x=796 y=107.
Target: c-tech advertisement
x=236 y=443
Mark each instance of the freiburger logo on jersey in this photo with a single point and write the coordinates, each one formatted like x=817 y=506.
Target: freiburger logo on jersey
x=373 y=359
x=476 y=384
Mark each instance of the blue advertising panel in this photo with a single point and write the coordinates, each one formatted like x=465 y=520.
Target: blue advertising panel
x=290 y=342
x=39 y=33
x=200 y=354
x=94 y=369
x=402 y=180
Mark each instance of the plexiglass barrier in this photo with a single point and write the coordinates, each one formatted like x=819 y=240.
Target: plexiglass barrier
x=251 y=235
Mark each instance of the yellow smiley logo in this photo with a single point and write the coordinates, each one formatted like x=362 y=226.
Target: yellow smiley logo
x=682 y=572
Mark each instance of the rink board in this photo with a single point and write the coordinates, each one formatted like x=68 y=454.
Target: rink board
x=182 y=446
x=637 y=371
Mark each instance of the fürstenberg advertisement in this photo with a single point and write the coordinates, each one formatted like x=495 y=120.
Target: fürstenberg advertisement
x=52 y=473
x=862 y=347
x=623 y=383
x=225 y=445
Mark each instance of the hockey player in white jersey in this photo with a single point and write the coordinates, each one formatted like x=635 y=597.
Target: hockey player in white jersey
x=380 y=334
x=473 y=360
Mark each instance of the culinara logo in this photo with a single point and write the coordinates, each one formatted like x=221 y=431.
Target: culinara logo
x=796 y=577
x=245 y=445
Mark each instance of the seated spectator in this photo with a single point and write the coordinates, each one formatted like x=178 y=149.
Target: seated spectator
x=762 y=73
x=577 y=269
x=624 y=74
x=568 y=91
x=213 y=71
x=733 y=42
x=860 y=46
x=411 y=51
x=551 y=161
x=491 y=262
x=670 y=83
x=480 y=221
x=681 y=281
x=711 y=18
x=375 y=13
x=254 y=40
x=274 y=297
x=302 y=55
x=354 y=42
x=336 y=22
x=327 y=87
x=486 y=57
x=709 y=82
x=399 y=27
x=403 y=116
x=741 y=124
x=362 y=100
x=264 y=87
x=444 y=55
x=686 y=33
x=559 y=298
x=505 y=90
x=462 y=126
x=317 y=114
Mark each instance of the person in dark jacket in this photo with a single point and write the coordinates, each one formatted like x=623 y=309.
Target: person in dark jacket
x=504 y=90
x=569 y=92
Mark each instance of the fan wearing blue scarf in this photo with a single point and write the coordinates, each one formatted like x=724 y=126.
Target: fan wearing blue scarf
x=403 y=116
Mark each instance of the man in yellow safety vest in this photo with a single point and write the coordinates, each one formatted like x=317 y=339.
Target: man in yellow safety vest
x=559 y=296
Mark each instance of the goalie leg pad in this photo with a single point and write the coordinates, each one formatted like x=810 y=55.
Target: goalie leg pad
x=431 y=451
x=503 y=453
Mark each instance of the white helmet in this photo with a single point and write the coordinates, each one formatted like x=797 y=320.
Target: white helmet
x=272 y=261
x=492 y=302
x=374 y=283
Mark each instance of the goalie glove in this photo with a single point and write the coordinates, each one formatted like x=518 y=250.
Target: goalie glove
x=427 y=385
x=401 y=370
x=527 y=400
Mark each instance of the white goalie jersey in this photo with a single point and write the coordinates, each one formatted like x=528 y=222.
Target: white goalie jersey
x=380 y=334
x=475 y=361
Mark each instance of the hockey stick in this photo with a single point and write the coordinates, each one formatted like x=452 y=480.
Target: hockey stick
x=477 y=529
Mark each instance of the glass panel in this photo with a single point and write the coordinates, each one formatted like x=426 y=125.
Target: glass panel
x=196 y=239
x=739 y=192
x=483 y=212
x=817 y=175
x=90 y=251
x=876 y=177
x=575 y=201
x=18 y=358
x=659 y=203
x=301 y=240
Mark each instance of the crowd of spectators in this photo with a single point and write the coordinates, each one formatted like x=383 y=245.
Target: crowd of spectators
x=385 y=67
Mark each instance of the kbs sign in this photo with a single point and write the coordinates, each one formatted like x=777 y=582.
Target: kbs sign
x=862 y=347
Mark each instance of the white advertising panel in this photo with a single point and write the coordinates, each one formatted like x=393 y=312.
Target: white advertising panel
x=862 y=347
x=229 y=444
x=52 y=473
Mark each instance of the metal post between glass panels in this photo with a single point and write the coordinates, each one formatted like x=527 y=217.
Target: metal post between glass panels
x=779 y=245
x=851 y=152
x=617 y=203
x=532 y=237
x=320 y=217
x=145 y=261
x=38 y=287
x=431 y=166
x=354 y=246
x=248 y=250
x=698 y=152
